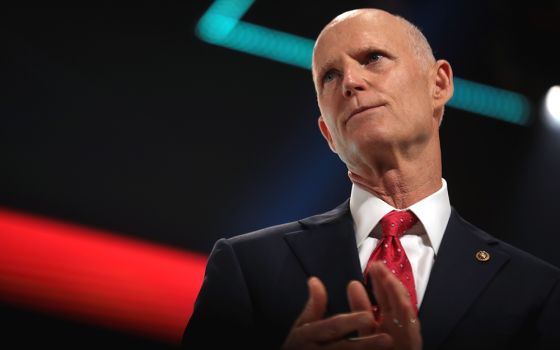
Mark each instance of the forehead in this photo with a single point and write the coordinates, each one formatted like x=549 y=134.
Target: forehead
x=350 y=33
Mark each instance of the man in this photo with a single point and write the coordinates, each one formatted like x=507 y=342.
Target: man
x=449 y=285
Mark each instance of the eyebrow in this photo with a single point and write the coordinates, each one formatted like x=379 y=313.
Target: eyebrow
x=326 y=66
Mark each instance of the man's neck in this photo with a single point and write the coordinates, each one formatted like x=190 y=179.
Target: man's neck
x=401 y=183
x=399 y=190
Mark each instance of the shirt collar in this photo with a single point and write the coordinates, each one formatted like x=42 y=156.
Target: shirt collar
x=433 y=212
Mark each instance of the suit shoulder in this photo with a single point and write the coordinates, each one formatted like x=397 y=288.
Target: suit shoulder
x=270 y=232
x=514 y=252
x=279 y=231
x=529 y=258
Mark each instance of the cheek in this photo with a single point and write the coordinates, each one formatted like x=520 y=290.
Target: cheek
x=330 y=123
x=325 y=106
x=329 y=110
x=415 y=97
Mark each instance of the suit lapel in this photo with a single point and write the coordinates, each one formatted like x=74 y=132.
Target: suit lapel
x=326 y=248
x=457 y=278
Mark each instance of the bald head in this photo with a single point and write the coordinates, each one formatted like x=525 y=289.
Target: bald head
x=416 y=40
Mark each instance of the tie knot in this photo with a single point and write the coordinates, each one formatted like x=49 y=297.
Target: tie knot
x=396 y=223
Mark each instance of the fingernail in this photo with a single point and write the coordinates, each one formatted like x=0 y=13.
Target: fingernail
x=366 y=319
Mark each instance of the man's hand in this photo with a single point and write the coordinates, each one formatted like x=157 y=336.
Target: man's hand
x=398 y=318
x=311 y=331
x=398 y=327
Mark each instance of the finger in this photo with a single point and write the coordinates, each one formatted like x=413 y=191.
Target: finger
x=337 y=327
x=399 y=299
x=403 y=322
x=397 y=295
x=359 y=301
x=316 y=303
x=378 y=274
x=357 y=297
x=399 y=317
x=378 y=341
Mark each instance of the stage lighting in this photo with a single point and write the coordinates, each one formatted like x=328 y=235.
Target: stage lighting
x=552 y=106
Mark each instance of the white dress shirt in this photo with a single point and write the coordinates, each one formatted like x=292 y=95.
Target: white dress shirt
x=421 y=242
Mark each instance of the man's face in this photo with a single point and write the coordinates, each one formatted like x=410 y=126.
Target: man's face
x=373 y=93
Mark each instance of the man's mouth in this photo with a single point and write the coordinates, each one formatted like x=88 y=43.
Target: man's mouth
x=360 y=110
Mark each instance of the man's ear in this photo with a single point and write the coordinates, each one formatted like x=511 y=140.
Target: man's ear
x=443 y=86
x=326 y=133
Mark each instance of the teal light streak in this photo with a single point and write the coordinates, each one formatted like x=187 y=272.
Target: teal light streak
x=220 y=19
x=490 y=101
x=271 y=44
x=221 y=25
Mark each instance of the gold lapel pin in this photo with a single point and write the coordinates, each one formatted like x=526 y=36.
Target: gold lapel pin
x=482 y=256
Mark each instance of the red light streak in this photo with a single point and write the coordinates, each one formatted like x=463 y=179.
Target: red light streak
x=97 y=277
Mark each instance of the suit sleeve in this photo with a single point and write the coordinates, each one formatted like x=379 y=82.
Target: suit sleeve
x=548 y=323
x=223 y=315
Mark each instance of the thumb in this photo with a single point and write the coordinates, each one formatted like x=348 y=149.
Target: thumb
x=316 y=303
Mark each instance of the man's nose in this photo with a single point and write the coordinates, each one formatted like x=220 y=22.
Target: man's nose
x=353 y=81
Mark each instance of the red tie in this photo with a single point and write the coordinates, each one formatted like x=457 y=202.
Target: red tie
x=391 y=252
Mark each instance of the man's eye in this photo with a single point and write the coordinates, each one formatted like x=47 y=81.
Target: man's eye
x=374 y=57
x=329 y=76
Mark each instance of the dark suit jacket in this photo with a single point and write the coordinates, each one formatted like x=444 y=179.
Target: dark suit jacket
x=255 y=287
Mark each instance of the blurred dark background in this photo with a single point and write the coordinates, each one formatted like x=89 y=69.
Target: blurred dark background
x=118 y=117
